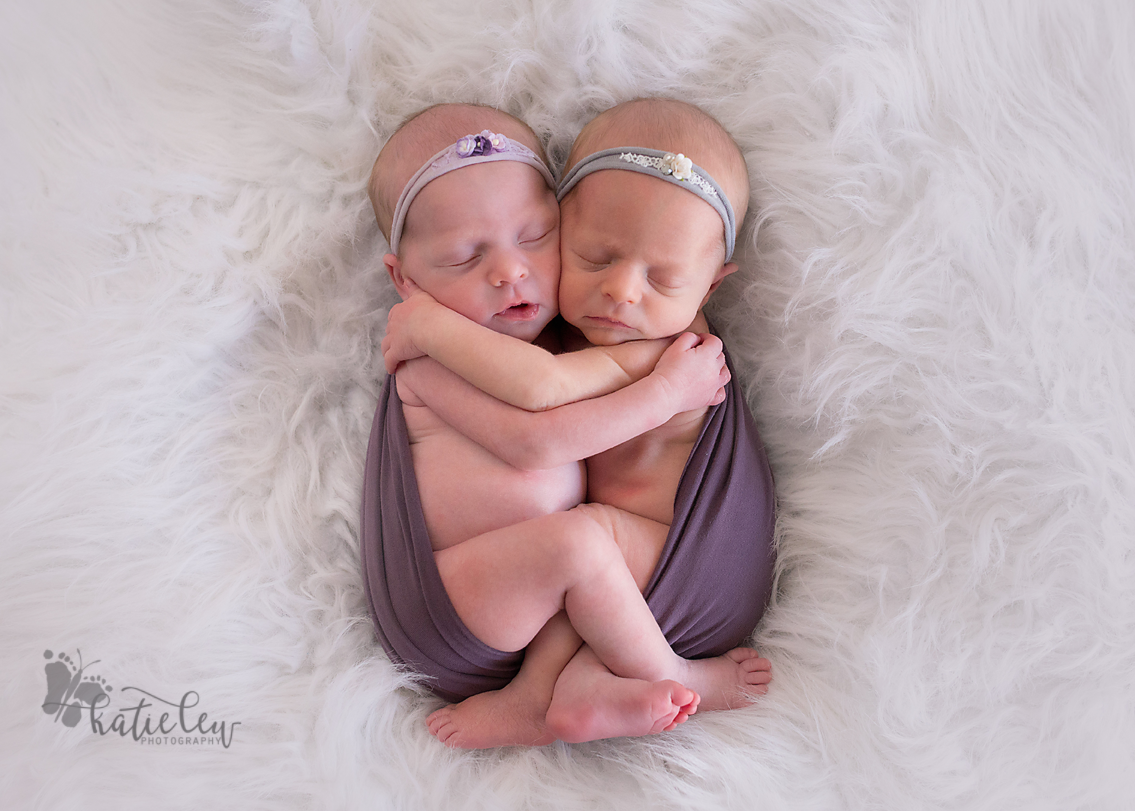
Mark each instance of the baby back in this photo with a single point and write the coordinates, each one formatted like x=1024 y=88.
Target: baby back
x=467 y=491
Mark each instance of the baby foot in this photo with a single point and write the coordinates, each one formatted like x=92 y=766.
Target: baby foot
x=498 y=718
x=603 y=705
x=729 y=681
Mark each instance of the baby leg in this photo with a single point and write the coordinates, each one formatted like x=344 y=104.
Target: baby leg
x=722 y=682
x=514 y=715
x=506 y=584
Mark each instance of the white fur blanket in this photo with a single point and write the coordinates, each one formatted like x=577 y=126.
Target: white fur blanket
x=933 y=318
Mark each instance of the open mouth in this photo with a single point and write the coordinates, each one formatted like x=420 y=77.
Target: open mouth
x=524 y=311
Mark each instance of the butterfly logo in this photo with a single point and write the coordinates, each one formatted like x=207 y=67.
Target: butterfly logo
x=67 y=691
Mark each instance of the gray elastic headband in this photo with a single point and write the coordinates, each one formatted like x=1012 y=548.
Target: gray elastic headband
x=673 y=168
x=483 y=148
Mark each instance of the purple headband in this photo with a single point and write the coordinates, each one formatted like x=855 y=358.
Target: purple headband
x=483 y=148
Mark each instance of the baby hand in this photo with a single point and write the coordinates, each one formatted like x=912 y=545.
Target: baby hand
x=694 y=366
x=401 y=327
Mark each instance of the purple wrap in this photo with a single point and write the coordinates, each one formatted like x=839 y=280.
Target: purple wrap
x=708 y=591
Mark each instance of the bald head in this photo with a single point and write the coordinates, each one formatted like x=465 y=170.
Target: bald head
x=425 y=134
x=671 y=126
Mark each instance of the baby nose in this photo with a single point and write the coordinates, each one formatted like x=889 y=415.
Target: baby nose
x=507 y=268
x=622 y=285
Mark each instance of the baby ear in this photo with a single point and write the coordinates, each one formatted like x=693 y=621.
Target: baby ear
x=718 y=278
x=402 y=284
x=726 y=269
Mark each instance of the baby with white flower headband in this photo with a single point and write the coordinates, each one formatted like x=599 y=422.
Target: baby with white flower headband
x=471 y=548
x=647 y=234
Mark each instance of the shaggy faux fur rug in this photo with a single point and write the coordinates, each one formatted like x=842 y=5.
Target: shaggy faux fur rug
x=933 y=320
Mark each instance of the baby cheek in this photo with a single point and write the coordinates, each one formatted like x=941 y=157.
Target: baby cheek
x=579 y=287
x=576 y=280
x=681 y=317
x=550 y=272
x=569 y=307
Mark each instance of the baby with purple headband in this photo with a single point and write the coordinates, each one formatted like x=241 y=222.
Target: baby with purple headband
x=689 y=503
x=474 y=226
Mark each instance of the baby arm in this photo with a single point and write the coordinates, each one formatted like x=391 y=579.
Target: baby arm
x=690 y=375
x=521 y=374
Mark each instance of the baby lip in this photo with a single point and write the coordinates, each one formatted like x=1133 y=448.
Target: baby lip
x=520 y=310
x=609 y=321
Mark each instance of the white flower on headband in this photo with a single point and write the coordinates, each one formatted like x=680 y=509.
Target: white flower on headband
x=681 y=167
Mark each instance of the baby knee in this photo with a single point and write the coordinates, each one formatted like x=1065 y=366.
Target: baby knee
x=587 y=543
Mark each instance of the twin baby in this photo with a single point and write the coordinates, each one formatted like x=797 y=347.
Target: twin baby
x=567 y=522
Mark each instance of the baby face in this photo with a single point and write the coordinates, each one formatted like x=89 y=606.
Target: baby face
x=640 y=257
x=484 y=240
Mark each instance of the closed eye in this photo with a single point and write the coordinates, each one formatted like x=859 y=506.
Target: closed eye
x=666 y=284
x=542 y=236
x=459 y=263
x=596 y=261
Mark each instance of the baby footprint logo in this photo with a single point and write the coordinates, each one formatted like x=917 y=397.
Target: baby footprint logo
x=68 y=691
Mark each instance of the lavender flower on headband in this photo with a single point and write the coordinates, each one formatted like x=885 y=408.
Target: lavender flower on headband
x=484 y=144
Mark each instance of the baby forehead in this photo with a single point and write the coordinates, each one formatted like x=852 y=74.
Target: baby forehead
x=488 y=191
x=488 y=180
x=641 y=218
x=483 y=201
x=617 y=182
x=610 y=197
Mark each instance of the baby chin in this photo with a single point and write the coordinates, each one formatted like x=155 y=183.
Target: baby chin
x=606 y=331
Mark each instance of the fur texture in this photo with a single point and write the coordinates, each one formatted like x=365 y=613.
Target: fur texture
x=933 y=318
